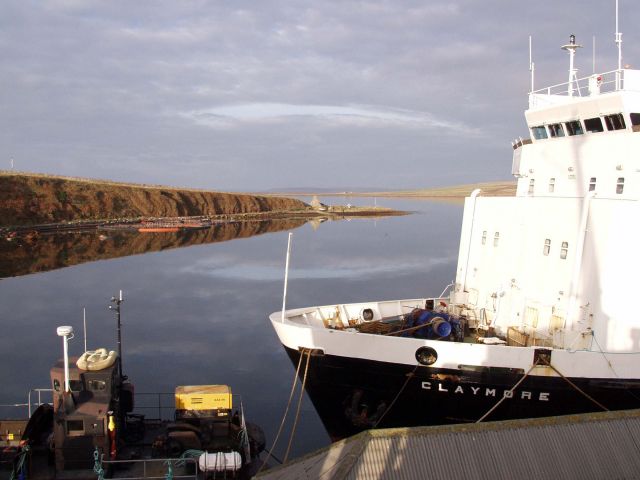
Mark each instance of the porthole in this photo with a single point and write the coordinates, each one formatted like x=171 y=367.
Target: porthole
x=426 y=356
x=367 y=314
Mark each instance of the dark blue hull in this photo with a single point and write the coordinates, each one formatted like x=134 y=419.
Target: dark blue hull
x=351 y=395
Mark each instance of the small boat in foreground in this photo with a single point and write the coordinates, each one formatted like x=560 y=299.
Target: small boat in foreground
x=539 y=321
x=95 y=425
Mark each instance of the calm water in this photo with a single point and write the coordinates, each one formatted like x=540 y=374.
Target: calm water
x=198 y=314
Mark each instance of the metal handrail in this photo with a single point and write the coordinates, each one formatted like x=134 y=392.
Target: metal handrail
x=145 y=461
x=562 y=87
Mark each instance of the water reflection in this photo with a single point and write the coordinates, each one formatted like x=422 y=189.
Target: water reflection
x=198 y=315
x=32 y=254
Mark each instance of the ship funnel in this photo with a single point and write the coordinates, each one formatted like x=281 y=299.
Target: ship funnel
x=67 y=333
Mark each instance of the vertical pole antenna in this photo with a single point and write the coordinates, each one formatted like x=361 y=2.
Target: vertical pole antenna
x=593 y=59
x=286 y=276
x=84 y=326
x=619 y=44
x=532 y=66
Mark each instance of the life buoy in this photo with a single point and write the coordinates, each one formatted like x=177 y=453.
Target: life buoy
x=96 y=359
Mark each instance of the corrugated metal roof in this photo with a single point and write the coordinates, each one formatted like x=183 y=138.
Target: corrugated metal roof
x=589 y=446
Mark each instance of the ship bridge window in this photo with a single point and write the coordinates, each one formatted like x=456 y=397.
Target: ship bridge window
x=556 y=130
x=574 y=128
x=564 y=250
x=532 y=184
x=496 y=239
x=620 y=185
x=592 y=184
x=484 y=237
x=547 y=246
x=539 y=132
x=615 y=122
x=635 y=121
x=552 y=185
x=593 y=125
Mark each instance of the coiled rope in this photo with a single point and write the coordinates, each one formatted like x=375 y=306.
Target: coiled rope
x=97 y=464
x=18 y=469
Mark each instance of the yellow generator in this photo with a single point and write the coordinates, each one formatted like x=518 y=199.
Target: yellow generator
x=203 y=401
x=203 y=421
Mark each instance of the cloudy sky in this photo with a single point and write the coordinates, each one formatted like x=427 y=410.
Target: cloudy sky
x=268 y=94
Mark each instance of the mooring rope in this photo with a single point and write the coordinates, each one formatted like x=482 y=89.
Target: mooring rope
x=406 y=382
x=295 y=421
x=504 y=396
x=575 y=386
x=286 y=411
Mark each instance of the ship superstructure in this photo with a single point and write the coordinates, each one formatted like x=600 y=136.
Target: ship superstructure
x=540 y=320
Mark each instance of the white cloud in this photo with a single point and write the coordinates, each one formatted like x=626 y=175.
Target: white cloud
x=355 y=115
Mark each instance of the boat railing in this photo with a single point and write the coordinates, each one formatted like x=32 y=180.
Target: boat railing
x=155 y=401
x=581 y=87
x=165 y=411
x=154 y=468
x=30 y=403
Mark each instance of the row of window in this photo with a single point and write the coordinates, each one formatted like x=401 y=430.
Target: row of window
x=496 y=238
x=592 y=185
x=564 y=248
x=614 y=121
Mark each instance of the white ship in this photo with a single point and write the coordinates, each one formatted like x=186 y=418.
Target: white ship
x=540 y=320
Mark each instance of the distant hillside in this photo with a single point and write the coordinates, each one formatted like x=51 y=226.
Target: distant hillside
x=32 y=199
x=495 y=189
x=492 y=189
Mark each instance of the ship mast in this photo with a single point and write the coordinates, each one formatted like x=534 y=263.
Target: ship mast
x=571 y=47
x=619 y=44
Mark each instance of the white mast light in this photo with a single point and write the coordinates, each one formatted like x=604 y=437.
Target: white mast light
x=67 y=333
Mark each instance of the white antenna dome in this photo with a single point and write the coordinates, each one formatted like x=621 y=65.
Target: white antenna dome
x=64 y=330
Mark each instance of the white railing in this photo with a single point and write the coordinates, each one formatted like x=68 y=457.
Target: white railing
x=583 y=87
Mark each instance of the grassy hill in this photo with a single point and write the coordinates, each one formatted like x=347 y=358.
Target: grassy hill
x=33 y=199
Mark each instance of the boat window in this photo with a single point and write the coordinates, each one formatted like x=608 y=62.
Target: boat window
x=564 y=250
x=547 y=246
x=484 y=237
x=615 y=122
x=496 y=239
x=97 y=385
x=574 y=128
x=552 y=185
x=539 y=132
x=556 y=130
x=75 y=426
x=593 y=125
x=532 y=183
x=592 y=184
x=635 y=118
x=620 y=185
